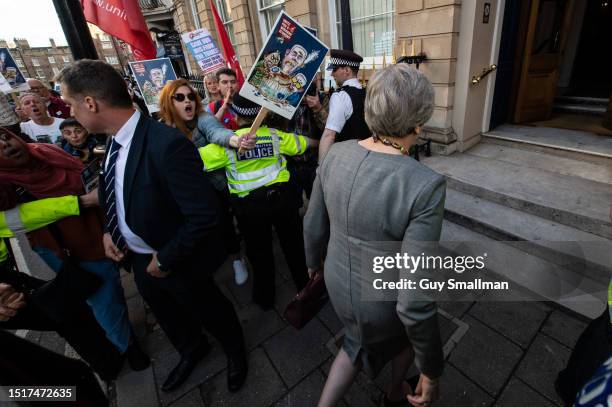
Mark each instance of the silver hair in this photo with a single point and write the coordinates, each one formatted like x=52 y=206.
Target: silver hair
x=398 y=99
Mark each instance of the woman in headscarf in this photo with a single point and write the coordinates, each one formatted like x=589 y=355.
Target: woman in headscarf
x=38 y=171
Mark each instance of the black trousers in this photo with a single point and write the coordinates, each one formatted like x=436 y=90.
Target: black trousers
x=186 y=300
x=230 y=237
x=26 y=364
x=257 y=213
x=80 y=329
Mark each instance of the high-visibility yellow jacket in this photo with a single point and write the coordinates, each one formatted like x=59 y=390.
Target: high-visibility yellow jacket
x=262 y=166
x=34 y=215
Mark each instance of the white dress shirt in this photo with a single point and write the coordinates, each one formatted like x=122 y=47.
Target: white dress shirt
x=124 y=137
x=340 y=107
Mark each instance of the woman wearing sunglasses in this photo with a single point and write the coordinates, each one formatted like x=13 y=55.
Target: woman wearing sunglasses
x=181 y=107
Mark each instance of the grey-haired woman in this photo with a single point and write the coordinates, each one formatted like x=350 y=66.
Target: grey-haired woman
x=367 y=192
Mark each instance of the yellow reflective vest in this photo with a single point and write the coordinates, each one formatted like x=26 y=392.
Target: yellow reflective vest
x=34 y=215
x=262 y=166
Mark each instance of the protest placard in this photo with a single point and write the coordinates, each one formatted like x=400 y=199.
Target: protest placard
x=285 y=67
x=11 y=78
x=151 y=76
x=204 y=50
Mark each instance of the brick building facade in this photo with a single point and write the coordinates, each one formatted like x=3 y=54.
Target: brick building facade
x=44 y=63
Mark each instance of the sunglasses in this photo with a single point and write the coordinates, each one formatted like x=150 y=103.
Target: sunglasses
x=179 y=97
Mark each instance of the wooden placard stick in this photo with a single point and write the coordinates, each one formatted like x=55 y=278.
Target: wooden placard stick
x=263 y=112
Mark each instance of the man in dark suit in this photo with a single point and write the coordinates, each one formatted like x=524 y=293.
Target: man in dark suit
x=161 y=210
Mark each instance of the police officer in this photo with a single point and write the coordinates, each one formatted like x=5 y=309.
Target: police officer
x=257 y=180
x=346 y=119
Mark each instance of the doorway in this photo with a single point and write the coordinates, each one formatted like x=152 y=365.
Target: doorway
x=554 y=65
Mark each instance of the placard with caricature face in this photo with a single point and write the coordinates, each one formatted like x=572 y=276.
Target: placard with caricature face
x=11 y=78
x=285 y=67
x=151 y=76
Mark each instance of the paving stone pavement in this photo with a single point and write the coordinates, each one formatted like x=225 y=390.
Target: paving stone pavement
x=497 y=354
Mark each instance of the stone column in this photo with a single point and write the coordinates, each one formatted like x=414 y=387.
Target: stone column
x=244 y=31
x=433 y=25
x=304 y=11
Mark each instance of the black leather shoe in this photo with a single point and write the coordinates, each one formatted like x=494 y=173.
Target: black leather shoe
x=181 y=372
x=237 y=368
x=137 y=359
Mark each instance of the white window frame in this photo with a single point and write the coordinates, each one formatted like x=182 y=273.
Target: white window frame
x=55 y=70
x=112 y=60
x=262 y=19
x=41 y=74
x=19 y=63
x=66 y=59
x=35 y=62
x=220 y=4
x=335 y=32
x=51 y=60
x=107 y=45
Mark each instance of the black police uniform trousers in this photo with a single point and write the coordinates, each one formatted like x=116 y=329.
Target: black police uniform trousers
x=80 y=329
x=257 y=213
x=186 y=300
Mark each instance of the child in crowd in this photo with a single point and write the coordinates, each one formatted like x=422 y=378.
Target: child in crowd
x=76 y=141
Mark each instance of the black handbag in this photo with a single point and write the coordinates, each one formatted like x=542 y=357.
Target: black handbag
x=71 y=286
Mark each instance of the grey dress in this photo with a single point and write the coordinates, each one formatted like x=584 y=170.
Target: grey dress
x=361 y=199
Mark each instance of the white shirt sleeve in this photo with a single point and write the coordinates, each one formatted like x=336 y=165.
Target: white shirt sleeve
x=340 y=109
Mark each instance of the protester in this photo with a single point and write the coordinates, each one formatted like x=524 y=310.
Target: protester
x=177 y=109
x=79 y=328
x=45 y=171
x=213 y=94
x=56 y=107
x=368 y=192
x=77 y=141
x=345 y=118
x=303 y=167
x=162 y=211
x=41 y=127
x=257 y=180
x=222 y=109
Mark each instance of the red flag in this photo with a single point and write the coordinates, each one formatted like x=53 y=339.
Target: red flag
x=226 y=45
x=122 y=19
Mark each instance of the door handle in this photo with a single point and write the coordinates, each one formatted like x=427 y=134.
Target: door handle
x=485 y=72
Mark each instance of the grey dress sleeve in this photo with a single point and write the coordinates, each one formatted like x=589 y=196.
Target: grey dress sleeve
x=213 y=131
x=316 y=226
x=420 y=317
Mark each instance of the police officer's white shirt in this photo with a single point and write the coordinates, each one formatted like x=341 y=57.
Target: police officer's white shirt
x=340 y=107
x=124 y=137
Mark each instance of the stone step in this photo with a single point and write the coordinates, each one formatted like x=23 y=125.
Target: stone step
x=578 y=165
x=549 y=240
x=595 y=110
x=558 y=139
x=572 y=201
x=582 y=100
x=600 y=161
x=531 y=272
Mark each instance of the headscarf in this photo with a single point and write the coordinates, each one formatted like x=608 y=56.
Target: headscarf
x=50 y=171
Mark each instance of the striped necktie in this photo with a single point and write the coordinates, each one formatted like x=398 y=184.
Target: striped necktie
x=112 y=223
